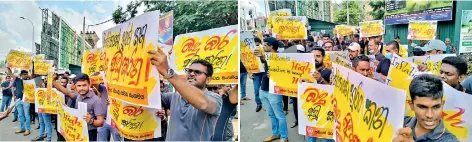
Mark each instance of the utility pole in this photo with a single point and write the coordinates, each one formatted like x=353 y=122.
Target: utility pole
x=83 y=36
x=347 y=5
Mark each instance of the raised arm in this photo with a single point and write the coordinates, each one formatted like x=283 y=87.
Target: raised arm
x=192 y=94
x=233 y=95
x=61 y=89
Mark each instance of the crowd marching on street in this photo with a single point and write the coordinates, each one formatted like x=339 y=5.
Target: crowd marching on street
x=426 y=90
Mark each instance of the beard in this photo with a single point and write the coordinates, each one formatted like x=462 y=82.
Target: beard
x=318 y=64
x=194 y=81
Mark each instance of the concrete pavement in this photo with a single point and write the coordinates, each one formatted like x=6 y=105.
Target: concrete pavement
x=255 y=126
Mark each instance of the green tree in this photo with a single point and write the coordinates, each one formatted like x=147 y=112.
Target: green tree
x=378 y=12
x=189 y=16
x=355 y=13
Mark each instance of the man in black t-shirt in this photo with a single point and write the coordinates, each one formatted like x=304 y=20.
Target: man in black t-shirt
x=224 y=126
x=7 y=94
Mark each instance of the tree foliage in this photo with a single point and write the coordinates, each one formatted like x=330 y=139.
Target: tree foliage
x=378 y=12
x=355 y=13
x=189 y=16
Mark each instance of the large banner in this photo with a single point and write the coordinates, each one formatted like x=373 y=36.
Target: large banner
x=46 y=100
x=42 y=67
x=19 y=59
x=433 y=62
x=28 y=93
x=361 y=113
x=132 y=121
x=218 y=46
x=71 y=124
x=166 y=28
x=280 y=12
x=371 y=28
x=251 y=62
x=289 y=27
x=93 y=61
x=400 y=12
x=344 y=30
x=130 y=75
x=315 y=110
x=422 y=30
x=465 y=43
x=287 y=69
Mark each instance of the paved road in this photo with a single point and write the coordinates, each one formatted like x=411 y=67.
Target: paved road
x=255 y=126
x=8 y=128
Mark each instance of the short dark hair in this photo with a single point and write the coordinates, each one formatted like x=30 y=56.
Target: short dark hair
x=257 y=39
x=67 y=73
x=457 y=62
x=64 y=77
x=327 y=35
x=296 y=41
x=205 y=63
x=418 y=52
x=323 y=52
x=310 y=38
x=394 y=44
x=326 y=43
x=23 y=72
x=356 y=35
x=272 y=42
x=426 y=85
x=81 y=77
x=397 y=37
x=358 y=59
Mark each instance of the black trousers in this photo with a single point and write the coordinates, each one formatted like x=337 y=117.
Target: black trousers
x=285 y=100
x=295 y=107
x=32 y=112
x=93 y=135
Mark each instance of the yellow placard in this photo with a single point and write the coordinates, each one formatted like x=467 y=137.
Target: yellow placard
x=422 y=30
x=19 y=59
x=28 y=92
x=46 y=100
x=129 y=74
x=360 y=113
x=371 y=28
x=72 y=126
x=251 y=62
x=134 y=122
x=42 y=67
x=318 y=113
x=433 y=62
x=218 y=46
x=38 y=57
x=287 y=69
x=289 y=27
x=344 y=30
x=93 y=61
x=280 y=12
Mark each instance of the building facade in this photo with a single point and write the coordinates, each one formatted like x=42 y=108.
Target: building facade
x=319 y=10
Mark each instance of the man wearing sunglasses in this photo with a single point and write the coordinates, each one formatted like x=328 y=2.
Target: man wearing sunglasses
x=194 y=109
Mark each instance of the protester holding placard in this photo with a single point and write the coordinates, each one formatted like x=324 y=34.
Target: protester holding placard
x=453 y=69
x=426 y=92
x=191 y=101
x=257 y=77
x=7 y=94
x=272 y=102
x=322 y=73
x=95 y=111
x=224 y=126
x=21 y=107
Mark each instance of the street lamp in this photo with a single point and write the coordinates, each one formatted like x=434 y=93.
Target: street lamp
x=32 y=49
x=254 y=15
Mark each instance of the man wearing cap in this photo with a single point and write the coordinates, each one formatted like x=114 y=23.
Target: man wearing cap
x=434 y=47
x=354 y=50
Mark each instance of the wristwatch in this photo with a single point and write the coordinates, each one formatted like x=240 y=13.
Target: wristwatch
x=91 y=122
x=170 y=73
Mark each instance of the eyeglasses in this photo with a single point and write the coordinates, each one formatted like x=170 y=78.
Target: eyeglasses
x=197 y=72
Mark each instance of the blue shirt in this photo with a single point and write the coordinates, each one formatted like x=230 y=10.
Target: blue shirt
x=439 y=134
x=6 y=92
x=18 y=84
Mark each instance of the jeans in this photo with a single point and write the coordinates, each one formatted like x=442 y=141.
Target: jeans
x=257 y=84
x=6 y=100
x=45 y=123
x=313 y=139
x=273 y=104
x=105 y=131
x=24 y=115
x=242 y=82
